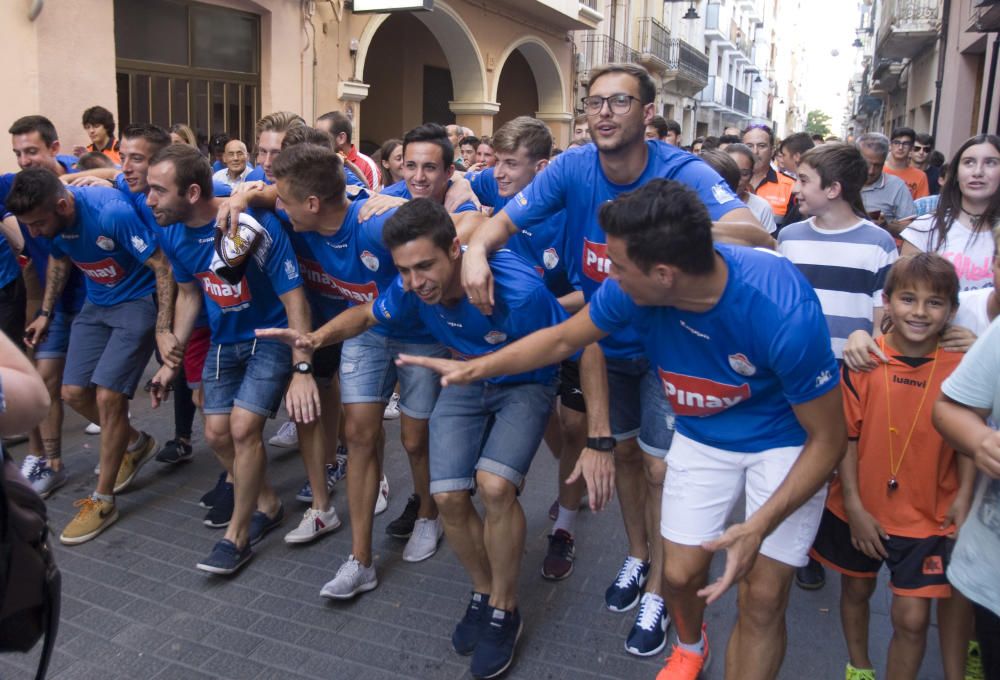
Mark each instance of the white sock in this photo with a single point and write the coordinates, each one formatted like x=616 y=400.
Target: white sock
x=565 y=520
x=697 y=648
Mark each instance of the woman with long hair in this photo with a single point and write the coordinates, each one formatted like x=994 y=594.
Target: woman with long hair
x=960 y=229
x=391 y=161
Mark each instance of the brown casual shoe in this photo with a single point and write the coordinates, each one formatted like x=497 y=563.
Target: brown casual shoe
x=93 y=517
x=133 y=460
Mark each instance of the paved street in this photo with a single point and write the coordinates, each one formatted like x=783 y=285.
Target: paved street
x=135 y=607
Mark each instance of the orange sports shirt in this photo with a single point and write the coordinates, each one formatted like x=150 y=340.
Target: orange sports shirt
x=928 y=474
x=915 y=180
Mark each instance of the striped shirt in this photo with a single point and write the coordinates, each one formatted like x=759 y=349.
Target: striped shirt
x=847 y=267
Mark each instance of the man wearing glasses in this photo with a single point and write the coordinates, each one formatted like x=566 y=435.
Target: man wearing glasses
x=898 y=162
x=773 y=186
x=580 y=180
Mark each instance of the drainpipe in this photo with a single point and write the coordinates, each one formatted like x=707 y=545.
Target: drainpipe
x=991 y=85
x=942 y=55
x=36 y=9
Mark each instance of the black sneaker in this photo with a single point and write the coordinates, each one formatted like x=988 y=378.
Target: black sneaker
x=208 y=498
x=402 y=526
x=222 y=510
x=174 y=451
x=495 y=652
x=558 y=562
x=810 y=577
x=470 y=628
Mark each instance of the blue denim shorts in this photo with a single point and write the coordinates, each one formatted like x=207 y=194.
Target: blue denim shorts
x=110 y=346
x=252 y=375
x=57 y=341
x=368 y=373
x=638 y=406
x=494 y=428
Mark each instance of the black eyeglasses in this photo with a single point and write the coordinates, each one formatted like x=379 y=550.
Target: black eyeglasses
x=901 y=142
x=619 y=104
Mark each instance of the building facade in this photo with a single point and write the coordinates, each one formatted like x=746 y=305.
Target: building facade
x=217 y=65
x=930 y=65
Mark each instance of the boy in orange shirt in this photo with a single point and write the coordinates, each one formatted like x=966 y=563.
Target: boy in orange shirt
x=901 y=491
x=898 y=162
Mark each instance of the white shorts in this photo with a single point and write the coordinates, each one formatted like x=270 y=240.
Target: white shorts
x=703 y=483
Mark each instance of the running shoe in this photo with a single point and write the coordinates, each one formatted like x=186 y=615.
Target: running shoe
x=624 y=593
x=287 y=437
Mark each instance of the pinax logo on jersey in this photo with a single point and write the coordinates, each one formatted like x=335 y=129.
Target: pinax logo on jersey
x=320 y=281
x=596 y=264
x=229 y=297
x=692 y=396
x=106 y=272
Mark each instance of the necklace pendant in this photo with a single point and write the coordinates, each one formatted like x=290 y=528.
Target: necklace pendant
x=893 y=484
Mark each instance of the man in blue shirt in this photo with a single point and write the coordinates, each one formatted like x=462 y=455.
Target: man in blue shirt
x=741 y=349
x=243 y=378
x=347 y=263
x=522 y=148
x=579 y=181
x=36 y=145
x=112 y=336
x=484 y=435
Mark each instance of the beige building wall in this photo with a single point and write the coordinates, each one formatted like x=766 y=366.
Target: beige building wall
x=49 y=78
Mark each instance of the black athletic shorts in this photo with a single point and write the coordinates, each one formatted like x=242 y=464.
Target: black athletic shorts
x=570 y=394
x=916 y=565
x=326 y=363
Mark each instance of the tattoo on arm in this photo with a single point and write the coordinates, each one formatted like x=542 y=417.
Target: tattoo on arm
x=56 y=275
x=166 y=291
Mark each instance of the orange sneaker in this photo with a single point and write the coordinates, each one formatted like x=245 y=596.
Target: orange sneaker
x=685 y=665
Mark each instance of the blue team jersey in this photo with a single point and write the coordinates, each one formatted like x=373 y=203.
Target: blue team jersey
x=9 y=269
x=6 y=180
x=544 y=245
x=236 y=311
x=733 y=373
x=75 y=292
x=522 y=306
x=400 y=190
x=68 y=162
x=353 y=267
x=110 y=244
x=575 y=182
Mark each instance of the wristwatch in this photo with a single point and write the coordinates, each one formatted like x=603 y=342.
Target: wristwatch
x=303 y=367
x=43 y=312
x=606 y=444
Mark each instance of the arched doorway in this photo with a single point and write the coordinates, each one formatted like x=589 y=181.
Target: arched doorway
x=530 y=83
x=416 y=64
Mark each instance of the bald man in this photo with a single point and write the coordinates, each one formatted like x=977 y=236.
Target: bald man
x=237 y=166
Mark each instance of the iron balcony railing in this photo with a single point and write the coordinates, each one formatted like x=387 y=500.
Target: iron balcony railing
x=599 y=48
x=906 y=15
x=592 y=4
x=655 y=39
x=690 y=62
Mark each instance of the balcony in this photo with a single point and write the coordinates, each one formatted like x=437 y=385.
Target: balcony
x=687 y=64
x=885 y=75
x=563 y=15
x=654 y=39
x=714 y=29
x=599 y=48
x=986 y=16
x=709 y=96
x=738 y=100
x=907 y=27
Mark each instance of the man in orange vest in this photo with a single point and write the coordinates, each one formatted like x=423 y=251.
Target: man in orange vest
x=768 y=183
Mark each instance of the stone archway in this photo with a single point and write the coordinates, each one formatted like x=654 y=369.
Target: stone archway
x=550 y=84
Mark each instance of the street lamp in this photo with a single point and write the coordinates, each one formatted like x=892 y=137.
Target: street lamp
x=692 y=13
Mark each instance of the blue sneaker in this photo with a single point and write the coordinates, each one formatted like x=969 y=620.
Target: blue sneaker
x=260 y=524
x=305 y=494
x=495 y=651
x=208 y=498
x=339 y=470
x=649 y=634
x=225 y=558
x=470 y=628
x=222 y=505
x=624 y=593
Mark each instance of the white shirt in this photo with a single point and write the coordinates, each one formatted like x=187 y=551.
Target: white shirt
x=761 y=209
x=223 y=176
x=972 y=312
x=971 y=253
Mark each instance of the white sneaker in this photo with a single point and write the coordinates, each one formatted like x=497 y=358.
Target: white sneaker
x=382 y=500
x=287 y=437
x=423 y=542
x=92 y=428
x=352 y=578
x=314 y=524
x=392 y=408
x=48 y=480
x=29 y=466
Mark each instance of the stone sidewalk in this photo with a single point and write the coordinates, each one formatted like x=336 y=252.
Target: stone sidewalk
x=134 y=606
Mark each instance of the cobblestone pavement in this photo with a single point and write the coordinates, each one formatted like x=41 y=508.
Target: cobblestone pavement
x=134 y=606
